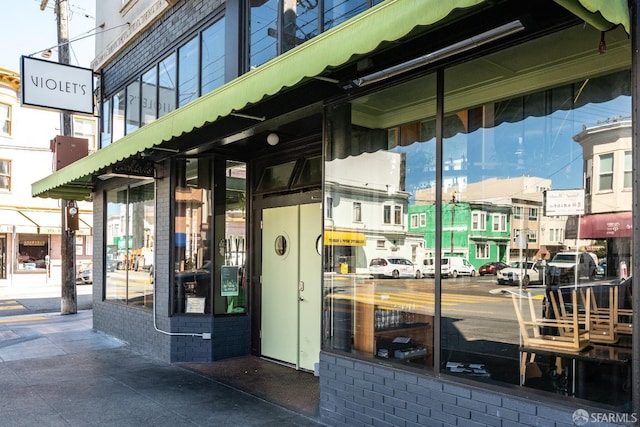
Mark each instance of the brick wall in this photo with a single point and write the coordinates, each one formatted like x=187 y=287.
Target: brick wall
x=174 y=28
x=360 y=393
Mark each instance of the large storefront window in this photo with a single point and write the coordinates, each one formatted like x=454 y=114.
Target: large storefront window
x=129 y=251
x=520 y=150
x=210 y=239
x=377 y=303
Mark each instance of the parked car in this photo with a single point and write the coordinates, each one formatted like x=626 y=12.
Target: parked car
x=525 y=272
x=561 y=269
x=393 y=267
x=84 y=275
x=601 y=268
x=491 y=267
x=453 y=266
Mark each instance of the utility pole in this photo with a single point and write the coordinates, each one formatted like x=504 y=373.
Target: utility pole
x=453 y=219
x=69 y=300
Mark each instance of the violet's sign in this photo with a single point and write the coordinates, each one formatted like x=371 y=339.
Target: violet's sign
x=47 y=84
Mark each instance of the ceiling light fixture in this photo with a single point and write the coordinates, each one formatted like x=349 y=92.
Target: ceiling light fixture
x=445 y=52
x=273 y=139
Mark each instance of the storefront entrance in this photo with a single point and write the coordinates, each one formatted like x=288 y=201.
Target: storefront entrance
x=291 y=295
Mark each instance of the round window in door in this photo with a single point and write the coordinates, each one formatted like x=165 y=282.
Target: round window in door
x=281 y=245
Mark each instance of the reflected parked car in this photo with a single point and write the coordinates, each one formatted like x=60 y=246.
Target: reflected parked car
x=84 y=275
x=601 y=268
x=523 y=273
x=393 y=267
x=491 y=267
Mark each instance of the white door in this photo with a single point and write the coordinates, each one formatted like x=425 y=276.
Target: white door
x=291 y=274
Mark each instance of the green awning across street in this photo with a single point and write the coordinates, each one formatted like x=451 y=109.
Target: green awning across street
x=388 y=21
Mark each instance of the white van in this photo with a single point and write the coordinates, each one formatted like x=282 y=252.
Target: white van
x=451 y=266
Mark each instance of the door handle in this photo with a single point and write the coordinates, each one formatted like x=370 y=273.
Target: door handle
x=300 y=298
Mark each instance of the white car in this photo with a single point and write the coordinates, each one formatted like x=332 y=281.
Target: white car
x=526 y=272
x=452 y=266
x=395 y=267
x=562 y=266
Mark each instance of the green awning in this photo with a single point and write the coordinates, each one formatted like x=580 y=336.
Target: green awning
x=601 y=14
x=388 y=21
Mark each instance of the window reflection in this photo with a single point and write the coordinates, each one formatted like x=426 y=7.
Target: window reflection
x=167 y=85
x=149 y=102
x=213 y=57
x=300 y=22
x=129 y=252
x=210 y=242
x=264 y=24
x=188 y=75
x=133 y=106
x=117 y=124
x=533 y=174
x=338 y=11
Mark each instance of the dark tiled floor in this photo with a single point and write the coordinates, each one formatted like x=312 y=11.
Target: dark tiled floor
x=282 y=385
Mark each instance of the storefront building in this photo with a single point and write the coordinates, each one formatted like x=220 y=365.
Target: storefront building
x=257 y=155
x=30 y=228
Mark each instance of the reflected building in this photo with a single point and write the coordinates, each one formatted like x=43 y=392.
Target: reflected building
x=366 y=214
x=608 y=166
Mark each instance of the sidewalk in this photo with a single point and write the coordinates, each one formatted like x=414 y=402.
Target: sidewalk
x=56 y=371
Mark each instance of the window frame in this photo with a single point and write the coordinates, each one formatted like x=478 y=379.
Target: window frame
x=6 y=122
x=478 y=221
x=602 y=174
x=6 y=176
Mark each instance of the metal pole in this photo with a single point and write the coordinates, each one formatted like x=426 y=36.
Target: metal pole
x=635 y=77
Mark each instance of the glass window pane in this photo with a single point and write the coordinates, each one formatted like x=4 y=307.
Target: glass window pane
x=188 y=72
x=628 y=170
x=507 y=138
x=129 y=251
x=5 y=174
x=264 y=32
x=311 y=173
x=276 y=177
x=149 y=104
x=141 y=218
x=375 y=175
x=338 y=11
x=133 y=107
x=233 y=283
x=193 y=263
x=514 y=148
x=105 y=135
x=300 y=23
x=167 y=85
x=85 y=128
x=118 y=104
x=606 y=172
x=5 y=119
x=118 y=246
x=213 y=57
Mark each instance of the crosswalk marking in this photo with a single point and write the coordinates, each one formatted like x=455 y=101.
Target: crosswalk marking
x=11 y=305
x=23 y=319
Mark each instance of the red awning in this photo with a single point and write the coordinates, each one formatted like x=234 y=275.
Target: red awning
x=602 y=226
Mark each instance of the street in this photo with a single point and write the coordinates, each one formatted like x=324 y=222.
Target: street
x=34 y=293
x=476 y=307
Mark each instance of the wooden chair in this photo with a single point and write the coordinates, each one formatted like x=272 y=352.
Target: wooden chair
x=573 y=334
x=603 y=320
